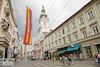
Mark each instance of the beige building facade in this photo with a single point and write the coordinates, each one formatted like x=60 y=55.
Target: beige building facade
x=78 y=34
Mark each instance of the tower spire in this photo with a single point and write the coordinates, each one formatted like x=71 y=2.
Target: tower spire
x=43 y=12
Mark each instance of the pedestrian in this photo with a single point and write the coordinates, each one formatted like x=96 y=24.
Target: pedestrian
x=60 y=59
x=96 y=58
x=15 y=60
x=81 y=56
x=71 y=55
x=69 y=58
x=64 y=61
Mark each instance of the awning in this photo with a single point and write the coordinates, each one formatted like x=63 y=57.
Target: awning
x=73 y=48
x=61 y=51
x=45 y=54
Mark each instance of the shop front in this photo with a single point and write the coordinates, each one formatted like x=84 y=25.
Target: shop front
x=87 y=51
x=53 y=53
x=75 y=50
x=90 y=48
x=2 y=51
x=98 y=48
x=61 y=52
x=45 y=56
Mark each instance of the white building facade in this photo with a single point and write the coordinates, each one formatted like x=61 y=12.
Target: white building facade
x=8 y=29
x=78 y=34
x=42 y=32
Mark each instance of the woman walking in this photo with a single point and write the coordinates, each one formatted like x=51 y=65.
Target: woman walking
x=60 y=59
x=96 y=58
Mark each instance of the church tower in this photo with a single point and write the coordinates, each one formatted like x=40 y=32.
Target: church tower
x=43 y=24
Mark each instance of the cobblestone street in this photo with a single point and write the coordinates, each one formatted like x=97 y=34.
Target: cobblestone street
x=49 y=63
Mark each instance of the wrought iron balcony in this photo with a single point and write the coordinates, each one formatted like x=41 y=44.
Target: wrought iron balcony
x=4 y=41
x=5 y=25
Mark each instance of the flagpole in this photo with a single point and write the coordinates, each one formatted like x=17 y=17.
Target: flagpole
x=25 y=61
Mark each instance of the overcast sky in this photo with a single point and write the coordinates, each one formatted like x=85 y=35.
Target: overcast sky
x=57 y=11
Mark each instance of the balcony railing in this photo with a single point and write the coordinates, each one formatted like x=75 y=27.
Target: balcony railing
x=4 y=40
x=5 y=24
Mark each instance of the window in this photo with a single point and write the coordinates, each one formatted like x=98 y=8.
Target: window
x=67 y=28
x=55 y=35
x=69 y=39
x=63 y=31
x=56 y=42
x=64 y=41
x=76 y=37
x=1 y=54
x=95 y=30
x=59 y=41
x=59 y=33
x=99 y=6
x=90 y=14
x=0 y=5
x=49 y=45
x=46 y=45
x=52 y=37
x=73 y=25
x=81 y=20
x=44 y=23
x=84 y=35
x=52 y=43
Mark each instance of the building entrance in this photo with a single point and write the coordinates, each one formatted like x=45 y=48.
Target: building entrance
x=88 y=52
x=98 y=48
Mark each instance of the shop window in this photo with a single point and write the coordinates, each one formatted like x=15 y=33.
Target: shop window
x=98 y=48
x=1 y=54
x=90 y=14
x=88 y=52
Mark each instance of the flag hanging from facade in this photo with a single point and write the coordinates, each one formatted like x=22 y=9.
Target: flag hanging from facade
x=28 y=29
